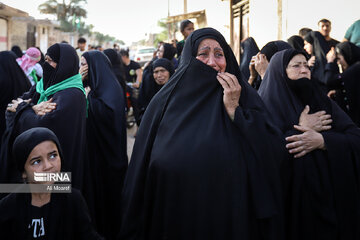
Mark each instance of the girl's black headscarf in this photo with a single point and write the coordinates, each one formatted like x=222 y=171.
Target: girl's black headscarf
x=67 y=64
x=250 y=49
x=28 y=140
x=350 y=51
x=286 y=98
x=186 y=122
x=296 y=42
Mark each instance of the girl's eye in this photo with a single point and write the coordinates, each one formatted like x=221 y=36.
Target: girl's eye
x=36 y=162
x=54 y=155
x=202 y=54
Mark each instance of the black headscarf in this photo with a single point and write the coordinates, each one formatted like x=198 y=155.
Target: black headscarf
x=106 y=140
x=149 y=87
x=296 y=42
x=28 y=140
x=67 y=64
x=320 y=49
x=350 y=51
x=250 y=49
x=17 y=50
x=13 y=83
x=165 y=63
x=169 y=51
x=319 y=189
x=187 y=149
x=273 y=47
x=117 y=66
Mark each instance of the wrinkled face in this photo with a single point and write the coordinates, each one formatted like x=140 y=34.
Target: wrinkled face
x=188 y=30
x=325 y=28
x=160 y=53
x=161 y=75
x=308 y=47
x=44 y=158
x=298 y=68
x=49 y=60
x=211 y=53
x=341 y=61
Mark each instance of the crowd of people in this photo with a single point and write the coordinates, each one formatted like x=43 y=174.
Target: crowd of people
x=265 y=149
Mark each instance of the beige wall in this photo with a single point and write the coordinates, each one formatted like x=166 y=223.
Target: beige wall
x=217 y=13
x=17 y=33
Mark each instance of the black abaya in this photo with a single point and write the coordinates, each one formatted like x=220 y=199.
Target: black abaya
x=250 y=49
x=347 y=84
x=106 y=140
x=195 y=174
x=13 y=83
x=321 y=188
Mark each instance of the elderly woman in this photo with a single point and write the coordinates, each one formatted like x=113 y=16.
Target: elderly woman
x=347 y=83
x=57 y=102
x=42 y=215
x=106 y=139
x=163 y=69
x=321 y=183
x=201 y=168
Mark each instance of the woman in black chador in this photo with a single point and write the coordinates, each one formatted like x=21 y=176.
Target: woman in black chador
x=13 y=83
x=346 y=84
x=321 y=174
x=202 y=167
x=249 y=49
x=162 y=70
x=57 y=102
x=106 y=140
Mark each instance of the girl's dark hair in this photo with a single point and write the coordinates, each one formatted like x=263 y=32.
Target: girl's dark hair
x=184 y=24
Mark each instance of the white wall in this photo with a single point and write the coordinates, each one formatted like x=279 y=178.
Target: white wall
x=298 y=14
x=263 y=21
x=308 y=12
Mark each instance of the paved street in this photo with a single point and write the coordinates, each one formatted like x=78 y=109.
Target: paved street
x=130 y=140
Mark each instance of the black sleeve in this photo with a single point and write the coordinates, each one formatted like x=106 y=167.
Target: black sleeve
x=333 y=78
x=136 y=65
x=64 y=109
x=85 y=229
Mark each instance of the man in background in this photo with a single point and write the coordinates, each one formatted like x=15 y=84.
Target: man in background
x=325 y=29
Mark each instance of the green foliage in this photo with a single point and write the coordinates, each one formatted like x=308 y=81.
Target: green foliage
x=163 y=35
